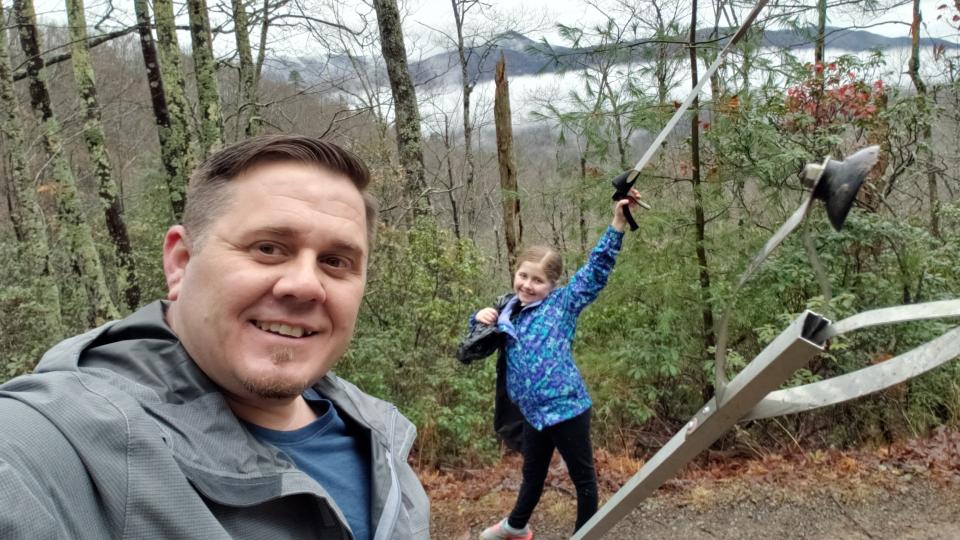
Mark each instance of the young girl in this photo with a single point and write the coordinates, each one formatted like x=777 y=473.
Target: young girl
x=538 y=324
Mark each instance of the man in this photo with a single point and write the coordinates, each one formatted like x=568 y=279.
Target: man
x=213 y=414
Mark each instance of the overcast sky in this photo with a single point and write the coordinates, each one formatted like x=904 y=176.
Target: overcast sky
x=425 y=16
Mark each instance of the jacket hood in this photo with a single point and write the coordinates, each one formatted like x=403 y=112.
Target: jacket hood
x=142 y=357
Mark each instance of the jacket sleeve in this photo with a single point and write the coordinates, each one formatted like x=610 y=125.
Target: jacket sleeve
x=27 y=507
x=591 y=278
x=23 y=511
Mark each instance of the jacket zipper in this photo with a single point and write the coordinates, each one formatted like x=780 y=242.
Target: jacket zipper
x=391 y=507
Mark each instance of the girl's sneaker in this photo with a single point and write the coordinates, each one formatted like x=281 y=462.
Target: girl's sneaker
x=503 y=531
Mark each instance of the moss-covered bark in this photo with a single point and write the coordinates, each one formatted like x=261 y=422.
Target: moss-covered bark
x=409 y=146
x=73 y=227
x=34 y=246
x=205 y=68
x=175 y=136
x=94 y=138
x=249 y=112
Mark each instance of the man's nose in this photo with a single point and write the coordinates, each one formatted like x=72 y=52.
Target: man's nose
x=301 y=279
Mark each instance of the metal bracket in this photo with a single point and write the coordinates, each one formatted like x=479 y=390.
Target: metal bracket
x=873 y=378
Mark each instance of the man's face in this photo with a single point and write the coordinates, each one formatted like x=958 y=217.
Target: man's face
x=267 y=301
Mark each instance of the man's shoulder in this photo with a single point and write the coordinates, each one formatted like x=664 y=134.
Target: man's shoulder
x=30 y=442
x=59 y=405
x=22 y=424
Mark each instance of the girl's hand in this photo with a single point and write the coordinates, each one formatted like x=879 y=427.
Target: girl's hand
x=619 y=220
x=487 y=316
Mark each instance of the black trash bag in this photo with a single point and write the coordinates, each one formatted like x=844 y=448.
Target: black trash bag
x=483 y=340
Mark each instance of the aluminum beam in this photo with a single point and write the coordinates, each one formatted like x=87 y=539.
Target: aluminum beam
x=872 y=378
x=792 y=349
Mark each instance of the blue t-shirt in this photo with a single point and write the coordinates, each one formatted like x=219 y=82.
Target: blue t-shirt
x=335 y=454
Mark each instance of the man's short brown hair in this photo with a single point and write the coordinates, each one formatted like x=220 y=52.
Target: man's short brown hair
x=207 y=197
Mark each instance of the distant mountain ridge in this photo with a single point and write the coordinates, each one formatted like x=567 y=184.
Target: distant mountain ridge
x=525 y=56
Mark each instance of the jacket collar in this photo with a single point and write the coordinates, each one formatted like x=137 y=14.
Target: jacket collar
x=504 y=324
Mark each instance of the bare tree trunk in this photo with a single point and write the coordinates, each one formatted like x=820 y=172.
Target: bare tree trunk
x=458 y=12
x=926 y=153
x=262 y=47
x=205 y=69
x=174 y=131
x=512 y=223
x=93 y=135
x=409 y=146
x=819 y=45
x=249 y=111
x=448 y=149
x=700 y=220
x=73 y=226
x=581 y=211
x=661 y=65
x=33 y=246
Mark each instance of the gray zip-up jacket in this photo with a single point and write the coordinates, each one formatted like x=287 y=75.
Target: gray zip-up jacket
x=118 y=434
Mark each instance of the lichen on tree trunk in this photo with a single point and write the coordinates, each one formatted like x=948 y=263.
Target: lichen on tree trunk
x=73 y=227
x=34 y=246
x=248 y=110
x=94 y=138
x=205 y=69
x=409 y=144
x=176 y=151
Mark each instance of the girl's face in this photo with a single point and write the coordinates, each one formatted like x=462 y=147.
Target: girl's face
x=531 y=283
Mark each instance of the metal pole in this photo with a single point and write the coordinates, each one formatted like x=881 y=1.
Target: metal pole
x=792 y=349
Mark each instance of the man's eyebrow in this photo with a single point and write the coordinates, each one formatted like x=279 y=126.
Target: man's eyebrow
x=275 y=231
x=345 y=246
x=338 y=245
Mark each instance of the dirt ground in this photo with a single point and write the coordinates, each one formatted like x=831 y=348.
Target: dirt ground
x=908 y=491
x=916 y=509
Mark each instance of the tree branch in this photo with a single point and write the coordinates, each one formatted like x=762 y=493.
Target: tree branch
x=21 y=73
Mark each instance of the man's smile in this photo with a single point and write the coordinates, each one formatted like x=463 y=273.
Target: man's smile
x=283 y=329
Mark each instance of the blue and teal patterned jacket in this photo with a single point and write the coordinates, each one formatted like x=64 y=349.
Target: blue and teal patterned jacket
x=542 y=378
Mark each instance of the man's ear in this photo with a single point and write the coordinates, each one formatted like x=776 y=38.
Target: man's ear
x=176 y=255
